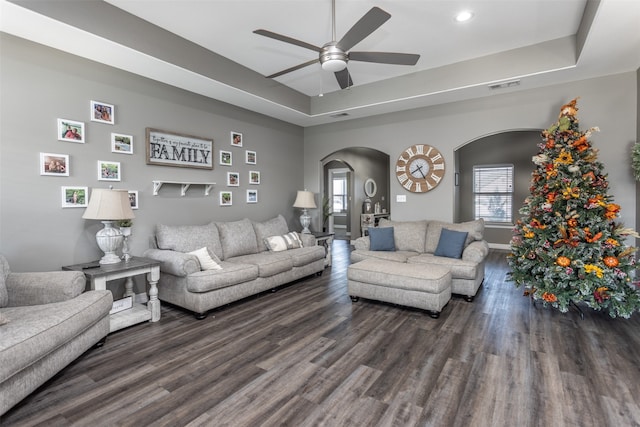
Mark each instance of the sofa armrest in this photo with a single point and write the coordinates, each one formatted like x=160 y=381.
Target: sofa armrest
x=307 y=239
x=362 y=243
x=174 y=262
x=476 y=251
x=35 y=288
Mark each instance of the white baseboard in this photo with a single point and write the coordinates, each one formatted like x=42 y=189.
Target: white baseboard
x=501 y=246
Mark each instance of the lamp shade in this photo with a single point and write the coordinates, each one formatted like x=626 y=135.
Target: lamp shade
x=108 y=205
x=305 y=200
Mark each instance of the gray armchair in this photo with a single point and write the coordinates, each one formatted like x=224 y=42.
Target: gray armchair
x=46 y=322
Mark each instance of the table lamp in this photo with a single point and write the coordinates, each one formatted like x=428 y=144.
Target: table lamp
x=304 y=201
x=109 y=205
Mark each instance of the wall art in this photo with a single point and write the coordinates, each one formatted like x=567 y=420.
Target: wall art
x=233 y=179
x=250 y=157
x=252 y=196
x=71 y=131
x=226 y=198
x=75 y=197
x=122 y=144
x=133 y=198
x=181 y=150
x=254 y=177
x=226 y=158
x=108 y=171
x=54 y=164
x=102 y=113
x=236 y=139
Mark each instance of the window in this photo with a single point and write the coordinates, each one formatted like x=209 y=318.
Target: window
x=339 y=194
x=493 y=193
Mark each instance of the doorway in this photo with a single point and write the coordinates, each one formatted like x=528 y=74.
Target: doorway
x=339 y=185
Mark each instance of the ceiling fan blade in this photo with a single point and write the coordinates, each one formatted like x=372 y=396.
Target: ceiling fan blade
x=286 y=39
x=361 y=29
x=297 y=67
x=385 y=57
x=344 y=78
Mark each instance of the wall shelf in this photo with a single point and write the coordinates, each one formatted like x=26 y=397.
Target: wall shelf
x=185 y=186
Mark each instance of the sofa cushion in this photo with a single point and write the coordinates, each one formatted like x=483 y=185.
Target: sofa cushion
x=3 y=319
x=187 y=238
x=205 y=259
x=4 y=272
x=284 y=242
x=381 y=239
x=474 y=228
x=304 y=256
x=230 y=274
x=407 y=235
x=274 y=227
x=268 y=263
x=397 y=256
x=460 y=269
x=451 y=243
x=237 y=238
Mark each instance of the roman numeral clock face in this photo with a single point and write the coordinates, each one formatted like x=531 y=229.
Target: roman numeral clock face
x=420 y=168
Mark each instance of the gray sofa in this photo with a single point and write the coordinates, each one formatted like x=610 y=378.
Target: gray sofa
x=46 y=322
x=247 y=266
x=416 y=242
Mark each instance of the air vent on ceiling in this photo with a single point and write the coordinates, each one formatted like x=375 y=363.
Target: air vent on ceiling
x=505 y=85
x=339 y=115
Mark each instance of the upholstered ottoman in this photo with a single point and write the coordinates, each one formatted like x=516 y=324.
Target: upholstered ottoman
x=412 y=285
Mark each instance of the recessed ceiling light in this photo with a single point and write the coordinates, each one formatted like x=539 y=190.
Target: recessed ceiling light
x=464 y=16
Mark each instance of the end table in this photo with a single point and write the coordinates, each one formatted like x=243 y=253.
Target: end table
x=99 y=274
x=325 y=239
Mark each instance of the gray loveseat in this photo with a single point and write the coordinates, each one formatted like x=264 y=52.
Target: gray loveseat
x=46 y=322
x=247 y=266
x=416 y=242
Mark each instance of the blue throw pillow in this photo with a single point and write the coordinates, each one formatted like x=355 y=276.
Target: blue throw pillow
x=381 y=239
x=451 y=243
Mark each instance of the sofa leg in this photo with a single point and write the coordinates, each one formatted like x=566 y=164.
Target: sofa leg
x=468 y=298
x=200 y=316
x=319 y=273
x=354 y=299
x=101 y=342
x=434 y=314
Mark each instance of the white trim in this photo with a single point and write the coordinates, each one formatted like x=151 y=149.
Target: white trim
x=501 y=246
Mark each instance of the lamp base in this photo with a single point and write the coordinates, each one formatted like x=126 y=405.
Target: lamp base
x=305 y=221
x=109 y=240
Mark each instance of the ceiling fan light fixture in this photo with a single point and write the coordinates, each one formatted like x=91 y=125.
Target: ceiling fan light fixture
x=334 y=65
x=333 y=58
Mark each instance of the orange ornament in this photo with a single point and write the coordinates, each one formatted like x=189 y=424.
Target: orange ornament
x=611 y=261
x=563 y=261
x=549 y=297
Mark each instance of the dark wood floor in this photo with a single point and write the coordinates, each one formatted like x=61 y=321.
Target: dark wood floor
x=305 y=356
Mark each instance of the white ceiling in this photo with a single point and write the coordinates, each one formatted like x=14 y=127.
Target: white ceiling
x=503 y=41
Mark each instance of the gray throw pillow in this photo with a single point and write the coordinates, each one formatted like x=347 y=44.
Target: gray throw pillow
x=381 y=239
x=451 y=243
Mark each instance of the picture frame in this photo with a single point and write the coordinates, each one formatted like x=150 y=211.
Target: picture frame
x=133 y=198
x=236 y=139
x=178 y=149
x=233 y=179
x=252 y=196
x=226 y=158
x=109 y=171
x=121 y=144
x=75 y=197
x=254 y=177
x=102 y=112
x=71 y=131
x=250 y=157
x=52 y=164
x=226 y=198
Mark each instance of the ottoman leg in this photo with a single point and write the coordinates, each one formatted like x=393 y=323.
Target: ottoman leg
x=354 y=299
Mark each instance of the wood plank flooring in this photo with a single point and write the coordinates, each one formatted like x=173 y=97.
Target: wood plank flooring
x=306 y=356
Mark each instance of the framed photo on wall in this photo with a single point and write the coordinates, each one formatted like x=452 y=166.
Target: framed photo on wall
x=133 y=198
x=226 y=158
x=236 y=139
x=252 y=196
x=122 y=144
x=254 y=177
x=233 y=179
x=102 y=112
x=71 y=131
x=75 y=197
x=108 y=171
x=54 y=164
x=250 y=157
x=226 y=198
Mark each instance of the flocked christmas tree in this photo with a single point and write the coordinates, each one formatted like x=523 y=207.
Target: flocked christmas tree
x=568 y=248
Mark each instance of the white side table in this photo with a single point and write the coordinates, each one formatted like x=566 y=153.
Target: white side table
x=99 y=274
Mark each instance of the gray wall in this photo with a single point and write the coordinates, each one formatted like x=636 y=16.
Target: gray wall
x=39 y=85
x=608 y=102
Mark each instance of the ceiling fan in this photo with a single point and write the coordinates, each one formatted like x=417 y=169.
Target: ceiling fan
x=335 y=55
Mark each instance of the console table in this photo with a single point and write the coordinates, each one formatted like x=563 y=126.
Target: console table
x=370 y=220
x=99 y=274
x=325 y=239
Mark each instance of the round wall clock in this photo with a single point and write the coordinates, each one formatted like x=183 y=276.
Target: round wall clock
x=420 y=168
